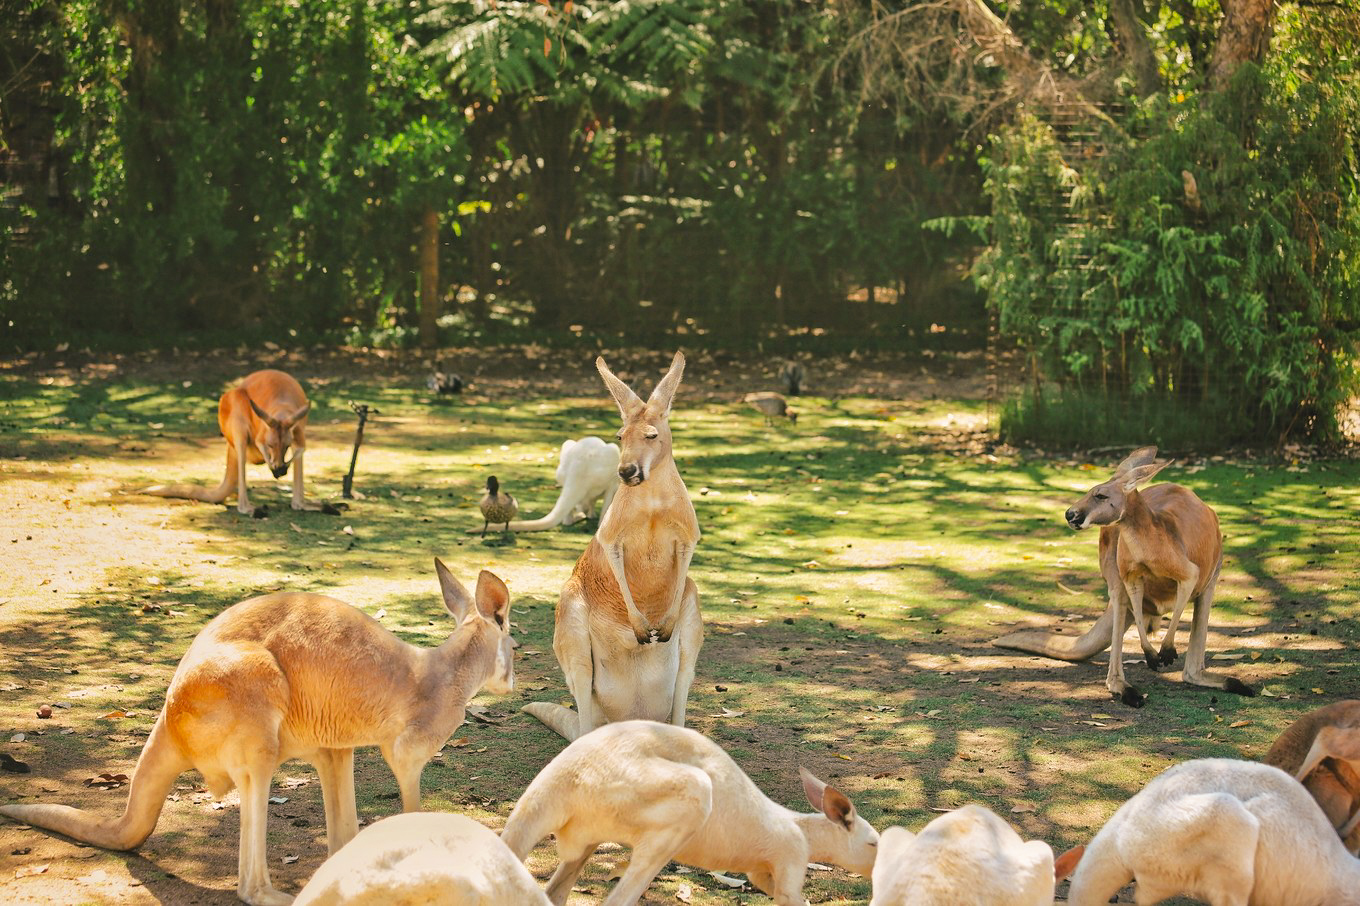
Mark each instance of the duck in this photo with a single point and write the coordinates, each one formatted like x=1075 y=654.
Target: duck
x=792 y=376
x=443 y=383
x=497 y=507
x=771 y=404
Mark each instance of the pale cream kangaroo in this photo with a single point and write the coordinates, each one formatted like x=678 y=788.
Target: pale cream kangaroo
x=1322 y=750
x=967 y=857
x=303 y=676
x=420 y=859
x=1159 y=549
x=1228 y=833
x=628 y=628
x=670 y=793
x=261 y=417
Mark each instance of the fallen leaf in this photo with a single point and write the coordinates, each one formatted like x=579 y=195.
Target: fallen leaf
x=114 y=715
x=1101 y=717
x=461 y=742
x=684 y=893
x=846 y=757
x=1070 y=591
x=728 y=712
x=28 y=870
x=295 y=527
x=106 y=781
x=278 y=800
x=98 y=876
x=1240 y=723
x=1317 y=691
x=818 y=866
x=382 y=612
x=933 y=712
x=18 y=737
x=348 y=530
x=289 y=860
x=1021 y=807
x=734 y=883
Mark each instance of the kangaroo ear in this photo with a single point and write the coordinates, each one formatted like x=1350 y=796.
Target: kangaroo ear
x=1141 y=474
x=1140 y=457
x=301 y=413
x=493 y=599
x=456 y=597
x=664 y=392
x=1064 y=865
x=628 y=401
x=828 y=800
x=265 y=417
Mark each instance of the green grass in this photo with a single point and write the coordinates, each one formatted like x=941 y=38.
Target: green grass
x=852 y=573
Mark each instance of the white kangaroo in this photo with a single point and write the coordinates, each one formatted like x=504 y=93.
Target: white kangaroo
x=670 y=793
x=628 y=629
x=303 y=676
x=588 y=471
x=967 y=857
x=1229 y=833
x=421 y=858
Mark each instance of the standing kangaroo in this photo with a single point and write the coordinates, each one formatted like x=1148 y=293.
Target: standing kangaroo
x=304 y=676
x=260 y=418
x=628 y=628
x=1158 y=549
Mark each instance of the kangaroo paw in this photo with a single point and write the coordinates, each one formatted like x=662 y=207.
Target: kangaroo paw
x=1167 y=657
x=1131 y=697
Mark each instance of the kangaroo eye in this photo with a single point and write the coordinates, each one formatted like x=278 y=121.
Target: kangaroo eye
x=619 y=436
x=1101 y=497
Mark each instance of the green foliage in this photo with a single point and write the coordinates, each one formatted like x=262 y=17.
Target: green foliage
x=1206 y=263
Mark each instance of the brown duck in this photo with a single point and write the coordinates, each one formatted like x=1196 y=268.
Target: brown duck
x=497 y=507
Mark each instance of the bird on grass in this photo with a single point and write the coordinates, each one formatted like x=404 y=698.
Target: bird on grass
x=792 y=377
x=443 y=383
x=771 y=404
x=497 y=507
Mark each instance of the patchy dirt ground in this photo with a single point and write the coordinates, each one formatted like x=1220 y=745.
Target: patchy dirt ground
x=853 y=574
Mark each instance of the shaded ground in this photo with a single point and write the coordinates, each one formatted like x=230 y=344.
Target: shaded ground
x=852 y=573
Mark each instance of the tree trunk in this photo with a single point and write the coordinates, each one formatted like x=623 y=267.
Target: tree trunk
x=429 y=277
x=1243 y=37
x=1135 y=46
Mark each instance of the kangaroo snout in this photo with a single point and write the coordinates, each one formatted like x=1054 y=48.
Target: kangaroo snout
x=1075 y=517
x=279 y=471
x=631 y=474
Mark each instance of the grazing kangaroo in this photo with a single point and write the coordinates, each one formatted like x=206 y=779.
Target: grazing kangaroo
x=671 y=793
x=628 y=628
x=588 y=471
x=422 y=858
x=260 y=418
x=304 y=676
x=1226 y=832
x=967 y=857
x=1158 y=549
x=1322 y=750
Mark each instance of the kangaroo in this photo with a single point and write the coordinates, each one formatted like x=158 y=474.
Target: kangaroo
x=1322 y=749
x=967 y=857
x=628 y=629
x=673 y=794
x=1226 y=832
x=260 y=418
x=588 y=471
x=421 y=858
x=293 y=675
x=1158 y=549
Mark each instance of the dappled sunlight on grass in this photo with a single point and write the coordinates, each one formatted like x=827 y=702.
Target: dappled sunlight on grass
x=853 y=571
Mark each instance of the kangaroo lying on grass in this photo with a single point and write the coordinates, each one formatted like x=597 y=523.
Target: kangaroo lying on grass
x=628 y=628
x=588 y=471
x=260 y=418
x=1229 y=833
x=1158 y=549
x=1322 y=749
x=670 y=793
x=423 y=858
x=967 y=857
x=303 y=676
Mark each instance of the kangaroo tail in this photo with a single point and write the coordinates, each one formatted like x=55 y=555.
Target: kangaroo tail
x=1063 y=647
x=560 y=720
x=558 y=515
x=1101 y=873
x=192 y=491
x=160 y=764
